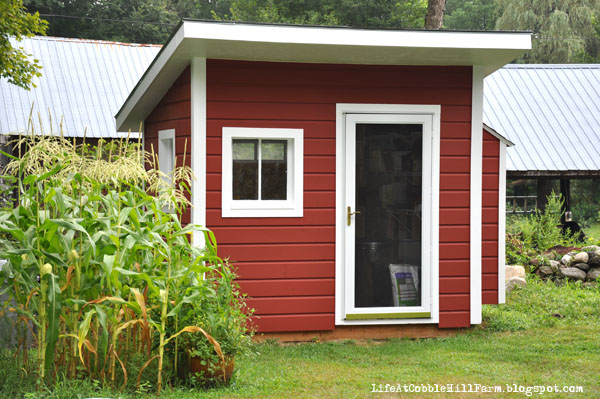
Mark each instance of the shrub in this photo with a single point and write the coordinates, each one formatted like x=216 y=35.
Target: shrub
x=528 y=236
x=223 y=315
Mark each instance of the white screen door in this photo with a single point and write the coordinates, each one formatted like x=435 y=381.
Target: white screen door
x=388 y=216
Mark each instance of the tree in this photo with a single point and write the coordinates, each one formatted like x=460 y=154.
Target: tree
x=435 y=14
x=563 y=29
x=207 y=9
x=364 y=14
x=470 y=14
x=593 y=47
x=152 y=22
x=138 y=21
x=16 y=23
x=118 y=20
x=380 y=13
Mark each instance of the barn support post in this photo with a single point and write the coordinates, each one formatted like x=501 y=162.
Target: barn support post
x=544 y=189
x=5 y=193
x=565 y=192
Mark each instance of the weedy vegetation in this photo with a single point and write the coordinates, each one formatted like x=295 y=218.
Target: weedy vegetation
x=530 y=236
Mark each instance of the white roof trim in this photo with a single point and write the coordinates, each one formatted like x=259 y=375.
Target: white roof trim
x=309 y=44
x=500 y=137
x=313 y=35
x=148 y=78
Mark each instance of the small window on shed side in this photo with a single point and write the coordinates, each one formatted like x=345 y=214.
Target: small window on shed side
x=262 y=172
x=166 y=152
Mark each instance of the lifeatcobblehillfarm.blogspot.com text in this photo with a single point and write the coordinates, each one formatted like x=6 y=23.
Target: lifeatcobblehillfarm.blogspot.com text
x=475 y=388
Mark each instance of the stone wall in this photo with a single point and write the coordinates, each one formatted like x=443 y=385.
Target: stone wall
x=576 y=265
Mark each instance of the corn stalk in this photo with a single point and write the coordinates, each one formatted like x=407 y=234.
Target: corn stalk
x=96 y=258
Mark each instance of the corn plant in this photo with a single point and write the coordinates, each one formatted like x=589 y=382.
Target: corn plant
x=98 y=260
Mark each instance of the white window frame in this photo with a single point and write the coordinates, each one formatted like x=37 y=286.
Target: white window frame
x=166 y=158
x=293 y=206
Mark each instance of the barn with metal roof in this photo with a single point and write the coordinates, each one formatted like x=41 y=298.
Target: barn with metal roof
x=552 y=114
x=83 y=82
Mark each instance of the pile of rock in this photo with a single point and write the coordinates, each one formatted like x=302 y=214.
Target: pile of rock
x=578 y=265
x=514 y=277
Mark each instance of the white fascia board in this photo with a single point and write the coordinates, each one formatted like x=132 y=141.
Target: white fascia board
x=497 y=135
x=130 y=113
x=303 y=44
x=355 y=37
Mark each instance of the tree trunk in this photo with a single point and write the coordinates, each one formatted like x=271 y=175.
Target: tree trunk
x=435 y=14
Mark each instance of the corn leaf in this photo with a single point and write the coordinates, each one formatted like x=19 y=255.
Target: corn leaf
x=102 y=320
x=84 y=328
x=53 y=316
x=72 y=225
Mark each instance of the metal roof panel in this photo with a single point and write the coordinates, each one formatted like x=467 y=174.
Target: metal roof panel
x=83 y=83
x=551 y=113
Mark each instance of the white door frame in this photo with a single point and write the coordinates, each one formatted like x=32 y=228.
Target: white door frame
x=431 y=250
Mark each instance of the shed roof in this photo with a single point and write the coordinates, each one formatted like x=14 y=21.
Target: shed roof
x=552 y=114
x=498 y=135
x=311 y=44
x=83 y=81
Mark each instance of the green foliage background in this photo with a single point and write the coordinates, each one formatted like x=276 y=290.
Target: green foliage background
x=565 y=31
x=16 y=23
x=152 y=22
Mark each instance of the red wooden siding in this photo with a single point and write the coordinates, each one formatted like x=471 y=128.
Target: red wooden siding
x=287 y=265
x=455 y=183
x=173 y=112
x=489 y=233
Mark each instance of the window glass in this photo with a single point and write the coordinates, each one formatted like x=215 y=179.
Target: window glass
x=273 y=150
x=244 y=150
x=273 y=170
x=166 y=160
x=245 y=169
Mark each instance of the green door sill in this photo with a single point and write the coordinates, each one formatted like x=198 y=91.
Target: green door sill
x=372 y=316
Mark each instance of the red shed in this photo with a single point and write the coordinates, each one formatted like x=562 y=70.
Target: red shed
x=344 y=171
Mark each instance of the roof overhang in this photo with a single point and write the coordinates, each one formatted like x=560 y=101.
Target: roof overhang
x=310 y=44
x=497 y=135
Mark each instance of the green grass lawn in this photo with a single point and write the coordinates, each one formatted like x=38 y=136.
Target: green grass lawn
x=593 y=231
x=544 y=336
x=548 y=356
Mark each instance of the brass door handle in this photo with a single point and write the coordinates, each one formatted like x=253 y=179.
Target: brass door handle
x=350 y=213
